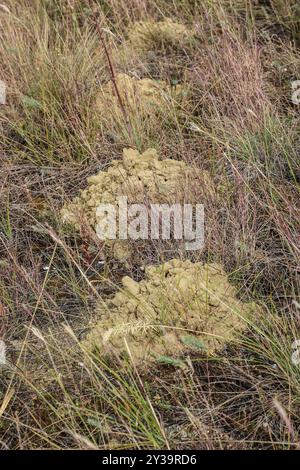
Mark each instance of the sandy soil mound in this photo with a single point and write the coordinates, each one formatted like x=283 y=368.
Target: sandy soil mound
x=143 y=34
x=180 y=306
x=143 y=179
x=140 y=97
x=147 y=40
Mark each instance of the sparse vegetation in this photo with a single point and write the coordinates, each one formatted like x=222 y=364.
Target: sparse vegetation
x=236 y=122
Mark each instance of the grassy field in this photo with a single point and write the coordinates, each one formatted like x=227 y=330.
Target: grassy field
x=237 y=121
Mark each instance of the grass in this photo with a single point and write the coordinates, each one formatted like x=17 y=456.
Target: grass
x=238 y=123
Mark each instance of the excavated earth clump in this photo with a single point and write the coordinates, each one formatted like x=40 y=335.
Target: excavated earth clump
x=180 y=306
x=150 y=42
x=142 y=35
x=143 y=179
x=141 y=97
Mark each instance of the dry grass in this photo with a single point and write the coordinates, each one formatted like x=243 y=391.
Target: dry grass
x=239 y=124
